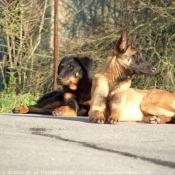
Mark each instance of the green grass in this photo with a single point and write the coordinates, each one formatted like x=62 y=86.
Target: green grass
x=9 y=101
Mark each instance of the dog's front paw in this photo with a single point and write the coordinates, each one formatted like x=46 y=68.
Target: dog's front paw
x=154 y=120
x=64 y=111
x=20 y=109
x=97 y=117
x=114 y=118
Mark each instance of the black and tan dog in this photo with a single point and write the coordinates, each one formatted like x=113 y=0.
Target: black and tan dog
x=74 y=99
x=112 y=99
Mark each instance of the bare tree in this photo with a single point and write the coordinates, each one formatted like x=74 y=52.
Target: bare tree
x=22 y=23
x=86 y=28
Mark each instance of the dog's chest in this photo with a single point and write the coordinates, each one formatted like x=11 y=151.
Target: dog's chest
x=131 y=110
x=131 y=113
x=83 y=95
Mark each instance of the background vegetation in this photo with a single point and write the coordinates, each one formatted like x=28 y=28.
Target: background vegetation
x=88 y=28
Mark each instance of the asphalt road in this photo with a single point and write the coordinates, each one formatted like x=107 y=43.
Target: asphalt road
x=37 y=144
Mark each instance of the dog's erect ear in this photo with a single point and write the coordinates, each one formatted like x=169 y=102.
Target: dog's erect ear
x=122 y=43
x=85 y=63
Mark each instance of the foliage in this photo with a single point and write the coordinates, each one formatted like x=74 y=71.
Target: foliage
x=88 y=28
x=10 y=87
x=11 y=100
x=22 y=24
x=97 y=26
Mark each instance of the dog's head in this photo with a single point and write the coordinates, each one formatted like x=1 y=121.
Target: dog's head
x=72 y=69
x=130 y=58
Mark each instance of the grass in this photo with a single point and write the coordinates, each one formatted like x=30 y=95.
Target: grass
x=9 y=101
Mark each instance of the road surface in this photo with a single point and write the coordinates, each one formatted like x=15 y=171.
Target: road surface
x=38 y=144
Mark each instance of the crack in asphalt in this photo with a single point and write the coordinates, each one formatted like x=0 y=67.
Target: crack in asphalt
x=152 y=160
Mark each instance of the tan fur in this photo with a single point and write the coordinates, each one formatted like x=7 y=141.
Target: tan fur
x=88 y=102
x=113 y=100
x=23 y=109
x=49 y=107
x=68 y=95
x=64 y=111
x=74 y=80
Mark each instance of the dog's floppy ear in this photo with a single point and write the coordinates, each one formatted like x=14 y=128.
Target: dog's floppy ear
x=85 y=63
x=60 y=63
x=122 y=43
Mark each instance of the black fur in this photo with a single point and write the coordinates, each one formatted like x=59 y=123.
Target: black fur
x=74 y=75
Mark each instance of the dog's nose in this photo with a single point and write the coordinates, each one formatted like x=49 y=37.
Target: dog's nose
x=59 y=79
x=153 y=69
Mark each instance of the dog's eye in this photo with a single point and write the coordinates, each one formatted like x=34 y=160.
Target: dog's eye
x=136 y=55
x=70 y=68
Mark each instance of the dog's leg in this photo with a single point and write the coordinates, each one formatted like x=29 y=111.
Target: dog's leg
x=53 y=105
x=157 y=114
x=47 y=109
x=64 y=111
x=99 y=94
x=46 y=101
x=116 y=103
x=49 y=96
x=69 y=106
x=51 y=100
x=21 y=109
x=31 y=109
x=158 y=119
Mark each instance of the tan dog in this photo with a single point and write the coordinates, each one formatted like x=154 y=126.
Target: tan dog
x=112 y=99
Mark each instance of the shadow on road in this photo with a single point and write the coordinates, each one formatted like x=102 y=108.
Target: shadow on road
x=82 y=119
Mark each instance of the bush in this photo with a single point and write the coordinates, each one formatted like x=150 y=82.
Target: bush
x=9 y=100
